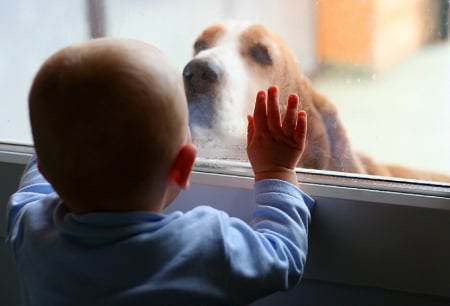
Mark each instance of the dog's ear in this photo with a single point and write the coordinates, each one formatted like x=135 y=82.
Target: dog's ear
x=328 y=146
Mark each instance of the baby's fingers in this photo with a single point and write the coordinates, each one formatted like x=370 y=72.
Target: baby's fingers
x=290 y=117
x=300 y=130
x=260 y=112
x=273 y=109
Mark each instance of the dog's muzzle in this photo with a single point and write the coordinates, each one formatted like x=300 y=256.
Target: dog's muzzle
x=201 y=76
x=202 y=79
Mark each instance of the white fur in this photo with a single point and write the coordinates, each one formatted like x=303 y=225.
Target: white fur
x=226 y=137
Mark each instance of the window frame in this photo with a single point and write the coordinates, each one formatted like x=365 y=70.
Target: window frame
x=346 y=186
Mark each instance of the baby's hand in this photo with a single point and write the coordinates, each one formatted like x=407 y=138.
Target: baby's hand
x=274 y=147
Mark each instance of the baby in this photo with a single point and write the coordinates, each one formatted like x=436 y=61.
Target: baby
x=87 y=225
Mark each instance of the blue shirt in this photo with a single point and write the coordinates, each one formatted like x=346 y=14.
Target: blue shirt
x=201 y=257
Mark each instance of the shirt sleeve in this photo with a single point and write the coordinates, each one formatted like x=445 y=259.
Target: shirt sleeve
x=270 y=255
x=33 y=187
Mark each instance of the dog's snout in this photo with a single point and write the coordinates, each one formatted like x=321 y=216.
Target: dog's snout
x=200 y=74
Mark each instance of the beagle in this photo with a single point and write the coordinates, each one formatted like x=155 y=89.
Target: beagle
x=231 y=62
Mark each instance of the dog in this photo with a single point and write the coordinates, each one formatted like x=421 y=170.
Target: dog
x=231 y=62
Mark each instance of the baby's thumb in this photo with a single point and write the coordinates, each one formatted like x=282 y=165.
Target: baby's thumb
x=250 y=129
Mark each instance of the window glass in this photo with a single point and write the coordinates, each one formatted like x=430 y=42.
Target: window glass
x=390 y=78
x=382 y=68
x=31 y=31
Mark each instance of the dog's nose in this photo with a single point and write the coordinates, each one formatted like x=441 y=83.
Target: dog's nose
x=200 y=74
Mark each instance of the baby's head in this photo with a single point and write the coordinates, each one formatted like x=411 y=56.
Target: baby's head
x=110 y=126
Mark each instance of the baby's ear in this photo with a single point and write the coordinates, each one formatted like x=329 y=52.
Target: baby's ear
x=182 y=165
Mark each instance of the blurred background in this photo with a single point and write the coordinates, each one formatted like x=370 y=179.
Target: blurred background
x=385 y=64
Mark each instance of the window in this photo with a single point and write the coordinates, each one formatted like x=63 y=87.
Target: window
x=385 y=66
x=31 y=31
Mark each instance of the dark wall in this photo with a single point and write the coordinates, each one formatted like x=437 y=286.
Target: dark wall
x=9 y=288
x=317 y=293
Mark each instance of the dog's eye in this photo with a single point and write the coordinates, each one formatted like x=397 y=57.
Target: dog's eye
x=260 y=54
x=200 y=45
